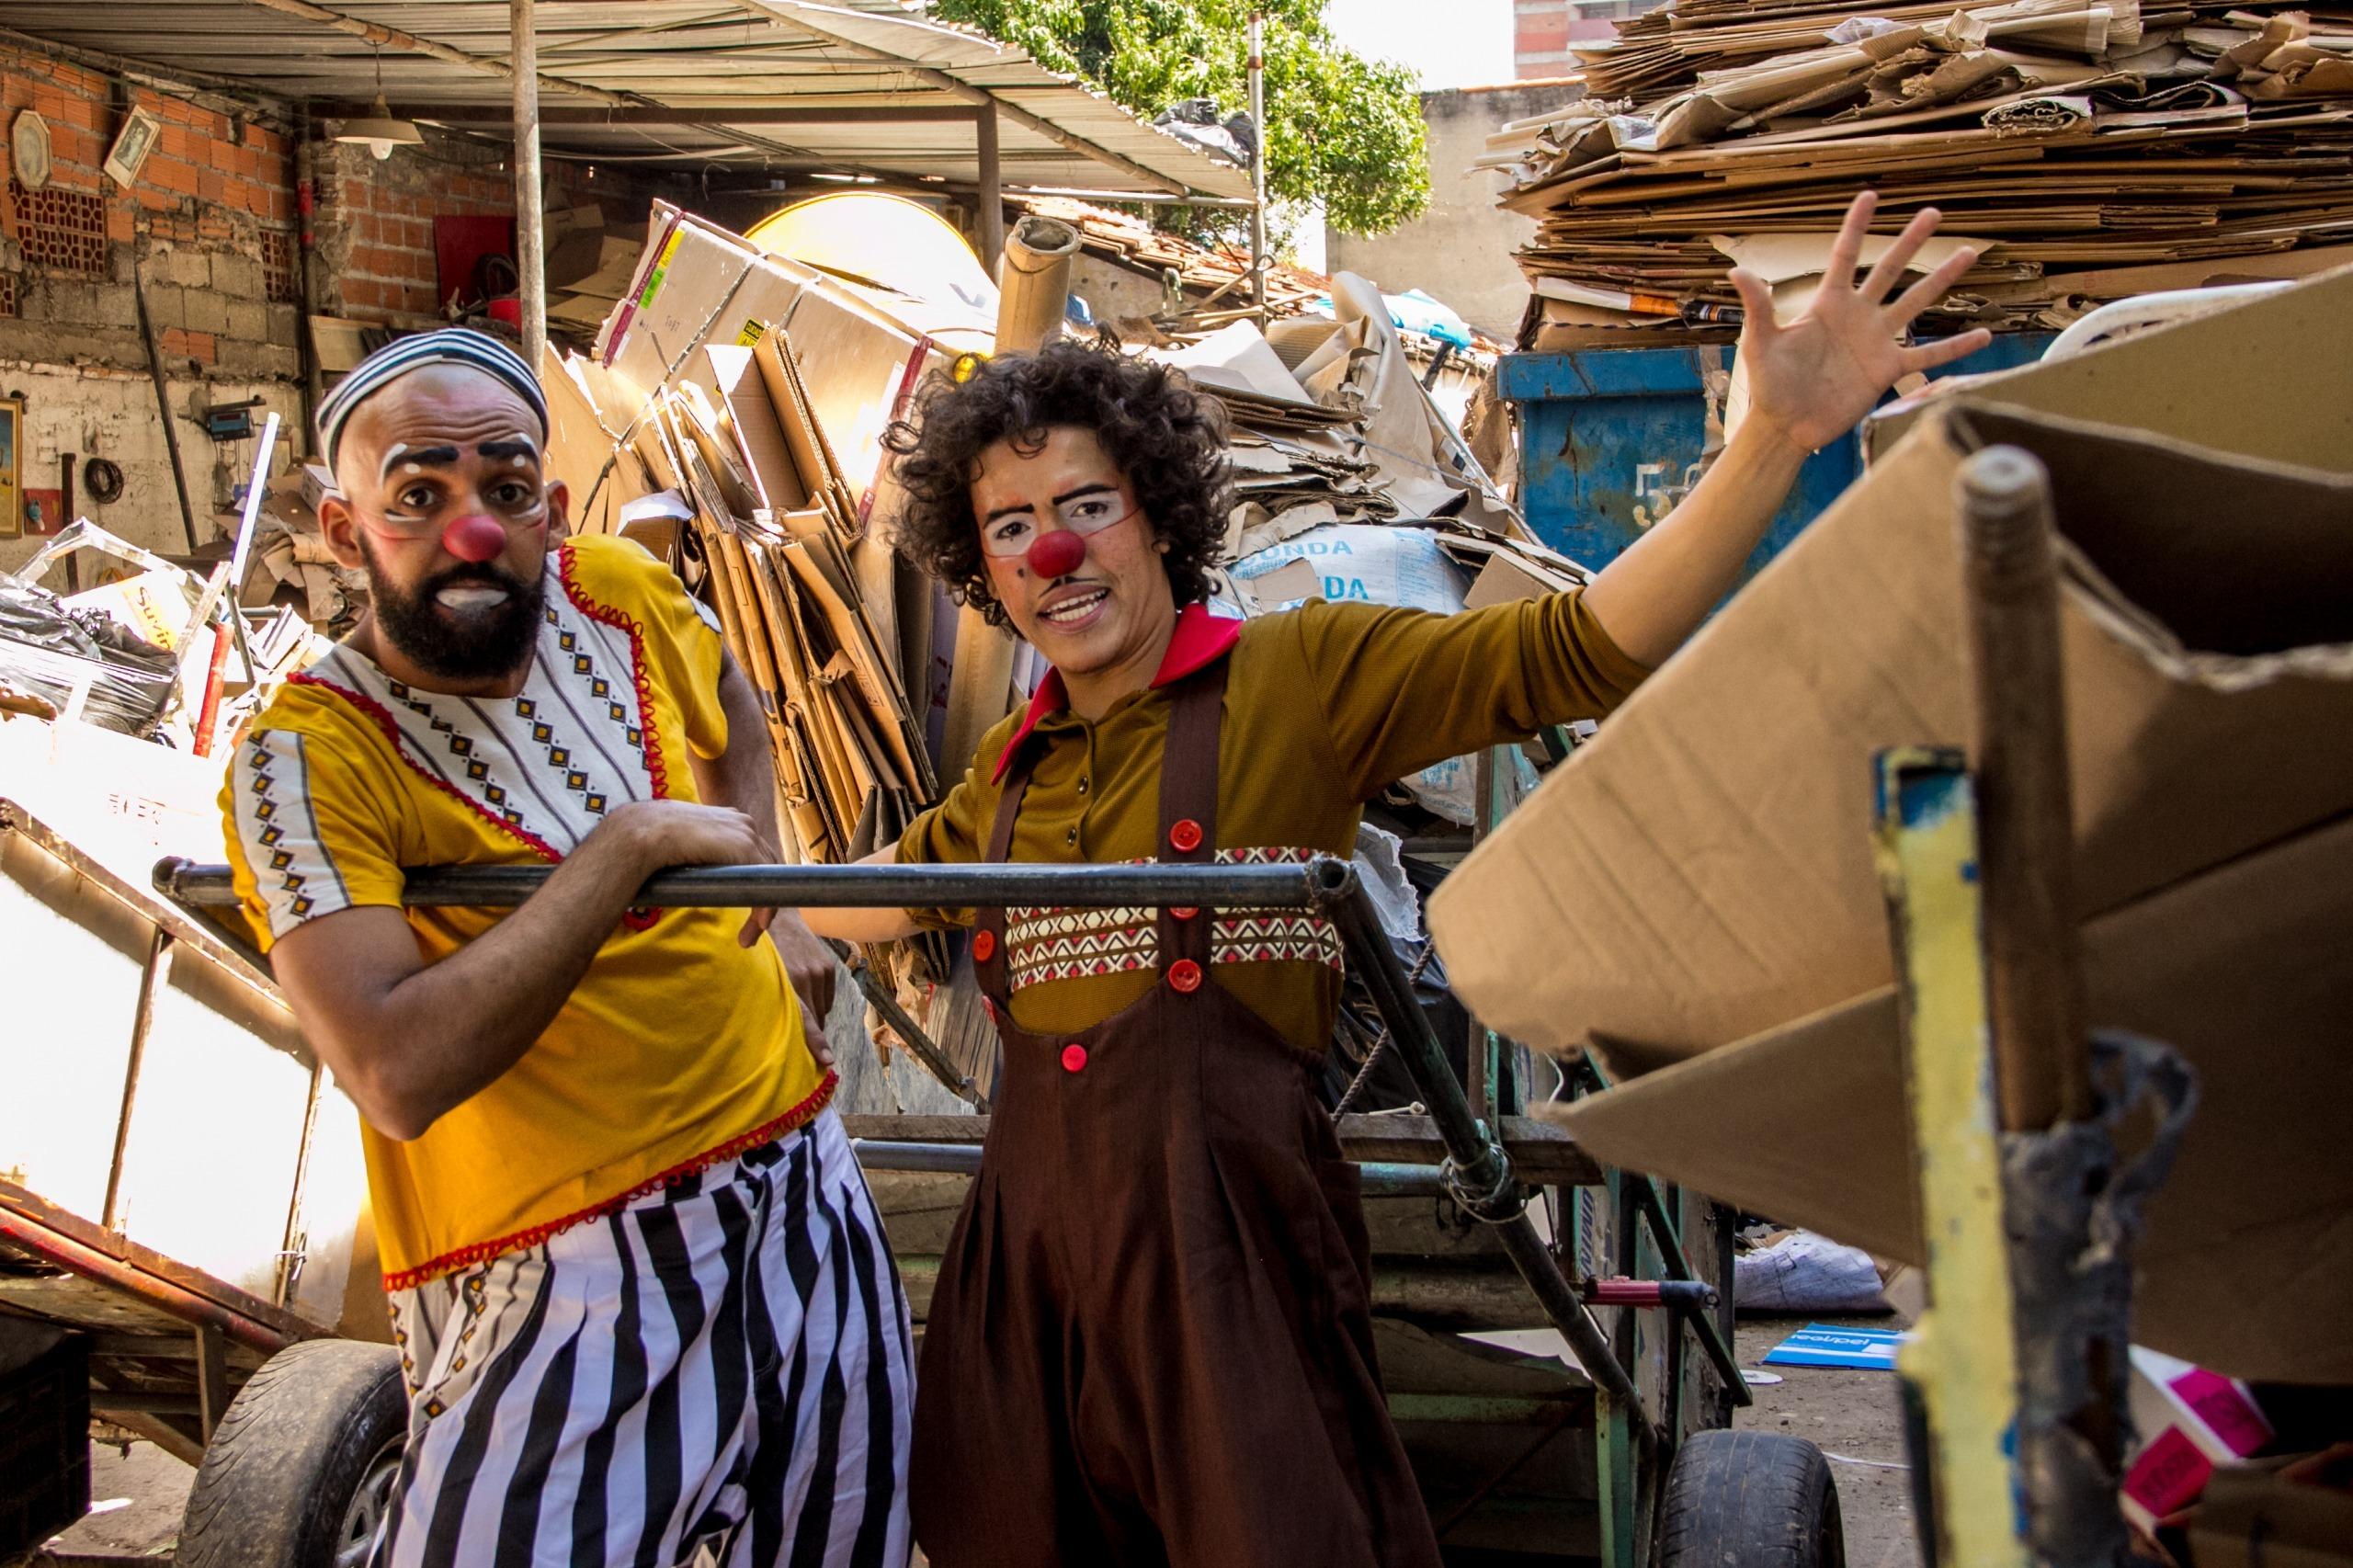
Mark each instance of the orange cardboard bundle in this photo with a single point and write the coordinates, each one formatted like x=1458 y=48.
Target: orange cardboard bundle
x=1700 y=876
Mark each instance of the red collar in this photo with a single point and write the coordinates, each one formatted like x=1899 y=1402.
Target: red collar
x=1199 y=641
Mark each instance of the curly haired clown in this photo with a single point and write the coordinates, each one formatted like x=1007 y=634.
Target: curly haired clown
x=1151 y=1340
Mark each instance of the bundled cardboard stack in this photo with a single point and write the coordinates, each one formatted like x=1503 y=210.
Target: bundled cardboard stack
x=2095 y=148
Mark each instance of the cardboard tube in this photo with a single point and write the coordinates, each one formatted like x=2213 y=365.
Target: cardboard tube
x=1033 y=283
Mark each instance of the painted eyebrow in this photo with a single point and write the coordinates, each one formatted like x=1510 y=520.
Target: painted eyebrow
x=1096 y=489
x=422 y=457
x=508 y=450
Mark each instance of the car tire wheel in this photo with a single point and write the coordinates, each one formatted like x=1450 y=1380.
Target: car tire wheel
x=300 y=1472
x=1750 y=1500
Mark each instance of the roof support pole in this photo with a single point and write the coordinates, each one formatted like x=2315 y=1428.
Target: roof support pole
x=992 y=195
x=530 y=236
x=1259 y=164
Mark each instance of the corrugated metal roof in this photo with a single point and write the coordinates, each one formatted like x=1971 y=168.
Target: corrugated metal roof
x=694 y=56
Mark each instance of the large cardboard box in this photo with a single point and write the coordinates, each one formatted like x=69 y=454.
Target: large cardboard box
x=2239 y=379
x=1703 y=869
x=1694 y=893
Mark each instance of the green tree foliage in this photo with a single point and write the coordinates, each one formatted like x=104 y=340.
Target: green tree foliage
x=1342 y=129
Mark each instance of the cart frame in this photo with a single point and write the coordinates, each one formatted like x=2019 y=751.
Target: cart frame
x=1475 y=1163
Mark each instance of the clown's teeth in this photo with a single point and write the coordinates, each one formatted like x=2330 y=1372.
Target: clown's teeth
x=1078 y=609
x=473 y=597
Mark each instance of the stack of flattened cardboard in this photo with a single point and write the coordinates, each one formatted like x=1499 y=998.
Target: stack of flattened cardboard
x=1331 y=425
x=739 y=488
x=1693 y=894
x=1222 y=272
x=2097 y=148
x=731 y=421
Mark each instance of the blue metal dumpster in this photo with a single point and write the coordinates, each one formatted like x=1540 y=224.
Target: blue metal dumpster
x=1607 y=434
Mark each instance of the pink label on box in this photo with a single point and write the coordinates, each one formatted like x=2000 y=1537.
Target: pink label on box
x=2169 y=1474
x=2218 y=1401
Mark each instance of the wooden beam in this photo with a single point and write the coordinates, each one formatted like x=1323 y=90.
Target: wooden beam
x=1542 y=1154
x=393 y=38
x=992 y=192
x=977 y=96
x=531 y=224
x=670 y=115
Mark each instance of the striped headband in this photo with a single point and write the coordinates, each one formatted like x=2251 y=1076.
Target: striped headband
x=445 y=345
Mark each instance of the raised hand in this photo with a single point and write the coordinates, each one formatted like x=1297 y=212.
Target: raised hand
x=1813 y=379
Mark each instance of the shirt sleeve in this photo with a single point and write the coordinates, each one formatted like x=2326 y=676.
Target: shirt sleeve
x=951 y=832
x=307 y=835
x=1402 y=689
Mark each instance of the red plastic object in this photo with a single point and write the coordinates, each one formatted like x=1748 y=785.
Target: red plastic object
x=1185 y=837
x=1623 y=1294
x=1185 y=975
x=208 y=713
x=1074 y=1057
x=508 y=310
x=1182 y=911
x=983 y=946
x=1057 y=554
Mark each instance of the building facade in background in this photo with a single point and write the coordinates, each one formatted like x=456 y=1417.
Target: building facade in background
x=1542 y=31
x=1461 y=250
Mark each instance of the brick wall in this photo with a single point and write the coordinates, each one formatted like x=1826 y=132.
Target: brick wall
x=375 y=228
x=375 y=218
x=1544 y=30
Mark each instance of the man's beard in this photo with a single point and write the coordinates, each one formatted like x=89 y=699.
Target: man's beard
x=482 y=645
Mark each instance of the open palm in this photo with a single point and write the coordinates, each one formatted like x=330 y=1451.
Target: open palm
x=1816 y=376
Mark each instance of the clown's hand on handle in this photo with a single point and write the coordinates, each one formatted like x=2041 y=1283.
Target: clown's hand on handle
x=1812 y=380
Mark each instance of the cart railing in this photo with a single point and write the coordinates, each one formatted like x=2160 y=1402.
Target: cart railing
x=1475 y=1171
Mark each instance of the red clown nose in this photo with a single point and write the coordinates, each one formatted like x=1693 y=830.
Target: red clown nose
x=1057 y=554
x=474 y=538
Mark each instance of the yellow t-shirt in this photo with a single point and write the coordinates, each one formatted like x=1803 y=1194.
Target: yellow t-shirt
x=678 y=1049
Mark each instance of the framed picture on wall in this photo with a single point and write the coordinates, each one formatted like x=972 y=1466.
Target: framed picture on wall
x=12 y=457
x=132 y=146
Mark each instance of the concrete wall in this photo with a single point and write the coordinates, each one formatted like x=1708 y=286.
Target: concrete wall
x=1461 y=250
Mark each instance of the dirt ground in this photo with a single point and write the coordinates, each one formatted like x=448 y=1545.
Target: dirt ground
x=1854 y=1416
x=1857 y=1418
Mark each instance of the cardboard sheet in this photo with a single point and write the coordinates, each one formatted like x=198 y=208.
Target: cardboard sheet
x=1705 y=865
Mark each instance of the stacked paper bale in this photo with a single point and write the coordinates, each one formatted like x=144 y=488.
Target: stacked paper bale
x=2096 y=148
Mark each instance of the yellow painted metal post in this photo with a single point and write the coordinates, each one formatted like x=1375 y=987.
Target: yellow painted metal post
x=1961 y=1357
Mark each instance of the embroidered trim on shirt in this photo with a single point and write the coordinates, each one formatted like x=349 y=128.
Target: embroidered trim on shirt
x=482 y=1252
x=294 y=873
x=391 y=726
x=647 y=738
x=1044 y=945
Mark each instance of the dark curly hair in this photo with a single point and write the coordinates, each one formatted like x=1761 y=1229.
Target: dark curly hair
x=1168 y=440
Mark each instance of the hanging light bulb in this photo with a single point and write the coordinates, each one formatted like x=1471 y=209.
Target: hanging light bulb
x=383 y=131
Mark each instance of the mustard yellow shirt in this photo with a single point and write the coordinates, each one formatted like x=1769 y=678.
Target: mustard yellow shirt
x=1325 y=707
x=678 y=1049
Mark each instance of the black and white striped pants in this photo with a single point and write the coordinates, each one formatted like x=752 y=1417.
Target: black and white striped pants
x=721 y=1367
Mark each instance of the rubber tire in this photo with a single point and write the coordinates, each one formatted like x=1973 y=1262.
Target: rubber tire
x=1750 y=1500
x=289 y=1456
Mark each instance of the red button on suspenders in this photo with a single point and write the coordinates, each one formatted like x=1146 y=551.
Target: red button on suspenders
x=1182 y=911
x=1185 y=975
x=1185 y=837
x=983 y=946
x=1074 y=1057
